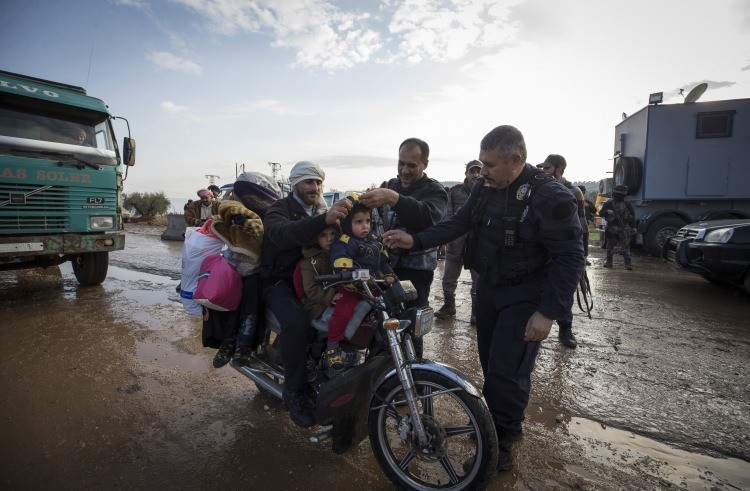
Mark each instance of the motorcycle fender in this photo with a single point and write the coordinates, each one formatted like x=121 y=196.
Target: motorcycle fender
x=344 y=402
x=441 y=368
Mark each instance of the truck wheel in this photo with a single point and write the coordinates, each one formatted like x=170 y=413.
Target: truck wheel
x=660 y=231
x=629 y=171
x=91 y=268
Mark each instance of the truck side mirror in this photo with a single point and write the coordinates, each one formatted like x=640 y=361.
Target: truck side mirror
x=128 y=151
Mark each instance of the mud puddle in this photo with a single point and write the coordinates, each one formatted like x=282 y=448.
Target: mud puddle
x=110 y=387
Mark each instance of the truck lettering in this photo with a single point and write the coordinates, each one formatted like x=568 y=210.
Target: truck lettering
x=9 y=174
x=29 y=89
x=60 y=176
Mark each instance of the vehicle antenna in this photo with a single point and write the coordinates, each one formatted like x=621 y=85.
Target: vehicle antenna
x=91 y=57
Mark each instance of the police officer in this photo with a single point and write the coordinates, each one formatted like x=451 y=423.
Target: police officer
x=526 y=246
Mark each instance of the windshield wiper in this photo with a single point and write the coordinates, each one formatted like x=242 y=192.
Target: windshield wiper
x=63 y=158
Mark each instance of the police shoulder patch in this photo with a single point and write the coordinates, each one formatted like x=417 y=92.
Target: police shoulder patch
x=524 y=190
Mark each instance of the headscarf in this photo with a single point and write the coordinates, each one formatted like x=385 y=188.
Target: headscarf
x=256 y=191
x=305 y=170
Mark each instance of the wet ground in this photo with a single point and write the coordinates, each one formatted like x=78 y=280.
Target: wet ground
x=109 y=388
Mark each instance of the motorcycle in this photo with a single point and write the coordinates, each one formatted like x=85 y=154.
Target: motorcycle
x=428 y=425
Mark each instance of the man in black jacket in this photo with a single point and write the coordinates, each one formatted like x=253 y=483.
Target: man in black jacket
x=526 y=246
x=289 y=224
x=411 y=202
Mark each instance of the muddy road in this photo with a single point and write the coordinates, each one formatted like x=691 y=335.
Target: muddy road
x=109 y=388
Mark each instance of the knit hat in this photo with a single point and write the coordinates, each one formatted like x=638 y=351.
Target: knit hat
x=256 y=191
x=204 y=192
x=473 y=163
x=241 y=229
x=305 y=170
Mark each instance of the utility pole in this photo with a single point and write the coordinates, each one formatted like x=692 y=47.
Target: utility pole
x=237 y=168
x=211 y=178
x=275 y=168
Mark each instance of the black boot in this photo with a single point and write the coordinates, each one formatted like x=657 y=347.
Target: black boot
x=224 y=354
x=449 y=307
x=567 y=338
x=300 y=407
x=245 y=341
x=505 y=452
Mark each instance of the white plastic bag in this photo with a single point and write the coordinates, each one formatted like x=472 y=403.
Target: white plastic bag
x=196 y=248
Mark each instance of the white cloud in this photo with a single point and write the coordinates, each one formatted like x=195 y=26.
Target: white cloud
x=167 y=61
x=268 y=105
x=321 y=34
x=326 y=36
x=173 y=108
x=447 y=31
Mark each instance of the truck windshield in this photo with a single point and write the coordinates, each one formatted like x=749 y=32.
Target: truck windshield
x=30 y=132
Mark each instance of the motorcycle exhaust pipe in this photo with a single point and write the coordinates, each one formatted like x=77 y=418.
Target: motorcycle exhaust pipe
x=260 y=378
x=322 y=436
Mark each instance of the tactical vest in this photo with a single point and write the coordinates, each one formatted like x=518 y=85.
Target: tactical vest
x=504 y=246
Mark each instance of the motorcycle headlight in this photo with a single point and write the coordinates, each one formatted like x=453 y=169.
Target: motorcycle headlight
x=719 y=236
x=101 y=222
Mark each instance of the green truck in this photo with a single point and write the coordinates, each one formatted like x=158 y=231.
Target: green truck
x=61 y=175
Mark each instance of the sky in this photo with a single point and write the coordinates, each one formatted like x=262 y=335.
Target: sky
x=211 y=85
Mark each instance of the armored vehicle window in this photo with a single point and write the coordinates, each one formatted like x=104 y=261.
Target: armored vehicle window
x=716 y=124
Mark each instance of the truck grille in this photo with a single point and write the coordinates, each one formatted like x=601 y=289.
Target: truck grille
x=50 y=210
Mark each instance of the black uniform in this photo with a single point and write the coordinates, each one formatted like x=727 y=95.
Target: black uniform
x=526 y=246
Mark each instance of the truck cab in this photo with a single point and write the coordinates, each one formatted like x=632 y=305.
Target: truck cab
x=61 y=175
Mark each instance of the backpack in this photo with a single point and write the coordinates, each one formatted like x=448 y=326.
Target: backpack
x=219 y=285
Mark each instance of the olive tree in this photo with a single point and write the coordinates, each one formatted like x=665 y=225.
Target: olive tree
x=148 y=205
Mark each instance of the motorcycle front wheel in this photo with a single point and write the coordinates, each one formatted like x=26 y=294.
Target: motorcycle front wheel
x=461 y=451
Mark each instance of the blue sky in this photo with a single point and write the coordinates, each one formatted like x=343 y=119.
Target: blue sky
x=210 y=84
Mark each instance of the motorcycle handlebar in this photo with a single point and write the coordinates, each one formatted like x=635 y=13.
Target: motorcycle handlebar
x=343 y=276
x=329 y=278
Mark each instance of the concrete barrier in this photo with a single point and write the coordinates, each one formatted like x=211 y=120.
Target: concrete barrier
x=175 y=227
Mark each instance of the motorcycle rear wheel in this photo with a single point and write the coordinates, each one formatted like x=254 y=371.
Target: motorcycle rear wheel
x=462 y=451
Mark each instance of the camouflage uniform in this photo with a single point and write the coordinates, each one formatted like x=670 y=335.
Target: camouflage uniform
x=620 y=225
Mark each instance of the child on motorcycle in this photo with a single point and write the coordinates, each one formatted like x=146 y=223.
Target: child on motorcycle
x=355 y=248
x=315 y=261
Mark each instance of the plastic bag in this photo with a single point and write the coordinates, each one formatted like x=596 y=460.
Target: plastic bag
x=219 y=285
x=198 y=246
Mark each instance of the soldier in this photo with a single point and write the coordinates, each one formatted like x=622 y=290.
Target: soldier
x=457 y=196
x=620 y=217
x=555 y=165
